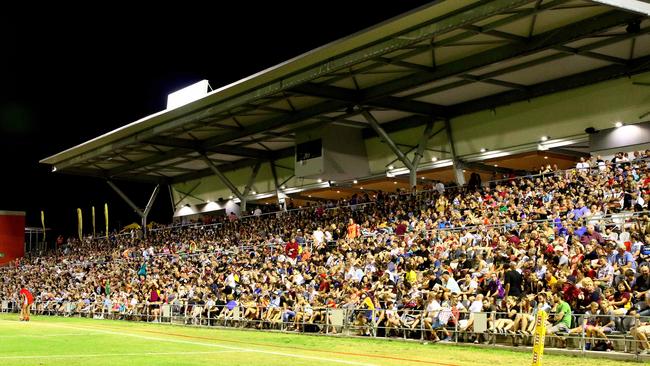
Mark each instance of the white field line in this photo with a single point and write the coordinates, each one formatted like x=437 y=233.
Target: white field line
x=115 y=355
x=43 y=335
x=324 y=359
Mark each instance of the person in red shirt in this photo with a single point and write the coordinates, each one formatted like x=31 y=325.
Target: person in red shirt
x=26 y=301
x=291 y=249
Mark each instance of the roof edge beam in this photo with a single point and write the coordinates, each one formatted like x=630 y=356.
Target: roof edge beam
x=628 y=5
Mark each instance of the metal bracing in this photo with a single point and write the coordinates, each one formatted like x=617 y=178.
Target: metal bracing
x=259 y=127
x=384 y=136
x=418 y=49
x=412 y=148
x=101 y=174
x=280 y=199
x=594 y=55
x=228 y=167
x=171 y=198
x=457 y=165
x=465 y=16
x=540 y=42
x=191 y=146
x=223 y=178
x=396 y=125
x=422 y=144
x=160 y=134
x=143 y=214
x=354 y=97
x=635 y=66
x=189 y=194
x=125 y=198
x=524 y=65
x=288 y=178
x=249 y=185
x=147 y=209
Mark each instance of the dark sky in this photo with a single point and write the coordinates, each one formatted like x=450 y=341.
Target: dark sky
x=67 y=77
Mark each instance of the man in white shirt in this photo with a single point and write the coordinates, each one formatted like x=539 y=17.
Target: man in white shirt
x=450 y=283
x=440 y=187
x=318 y=235
x=582 y=166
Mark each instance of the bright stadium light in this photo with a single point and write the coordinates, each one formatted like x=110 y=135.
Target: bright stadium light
x=618 y=124
x=188 y=94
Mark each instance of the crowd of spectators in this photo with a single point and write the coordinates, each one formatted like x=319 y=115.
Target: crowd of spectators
x=575 y=243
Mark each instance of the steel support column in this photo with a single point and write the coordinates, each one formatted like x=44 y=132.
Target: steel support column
x=171 y=198
x=247 y=189
x=223 y=178
x=125 y=198
x=143 y=214
x=384 y=136
x=147 y=209
x=281 y=204
x=458 y=168
x=422 y=144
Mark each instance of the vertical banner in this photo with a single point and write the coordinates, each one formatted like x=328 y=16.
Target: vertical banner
x=79 y=224
x=93 y=214
x=106 y=217
x=540 y=334
x=43 y=223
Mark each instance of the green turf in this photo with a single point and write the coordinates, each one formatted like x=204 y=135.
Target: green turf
x=73 y=341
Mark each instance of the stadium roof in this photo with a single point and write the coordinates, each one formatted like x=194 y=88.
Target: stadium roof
x=443 y=60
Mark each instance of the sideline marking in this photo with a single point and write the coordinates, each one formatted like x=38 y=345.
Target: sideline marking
x=122 y=333
x=116 y=355
x=44 y=335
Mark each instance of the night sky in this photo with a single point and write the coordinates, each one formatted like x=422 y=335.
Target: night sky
x=66 y=78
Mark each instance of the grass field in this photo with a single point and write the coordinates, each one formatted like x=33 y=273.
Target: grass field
x=73 y=341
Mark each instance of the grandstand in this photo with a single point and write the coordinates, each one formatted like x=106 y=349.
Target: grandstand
x=442 y=176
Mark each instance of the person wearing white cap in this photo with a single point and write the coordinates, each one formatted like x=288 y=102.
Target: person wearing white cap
x=563 y=260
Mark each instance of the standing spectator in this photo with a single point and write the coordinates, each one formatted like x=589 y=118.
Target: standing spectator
x=514 y=281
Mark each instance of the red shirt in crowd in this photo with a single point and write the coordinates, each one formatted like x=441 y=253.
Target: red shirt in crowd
x=291 y=249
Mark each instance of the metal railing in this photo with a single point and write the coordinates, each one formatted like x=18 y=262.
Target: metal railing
x=490 y=328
